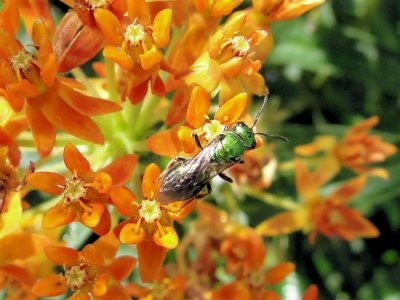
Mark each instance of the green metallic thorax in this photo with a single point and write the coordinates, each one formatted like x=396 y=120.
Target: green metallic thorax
x=234 y=143
x=230 y=148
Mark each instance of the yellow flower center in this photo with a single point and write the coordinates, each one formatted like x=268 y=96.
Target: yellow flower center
x=240 y=45
x=22 y=60
x=212 y=129
x=96 y=3
x=74 y=189
x=135 y=33
x=335 y=217
x=76 y=277
x=150 y=210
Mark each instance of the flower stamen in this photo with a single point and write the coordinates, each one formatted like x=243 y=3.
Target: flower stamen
x=240 y=45
x=135 y=33
x=212 y=129
x=74 y=189
x=21 y=61
x=150 y=211
x=76 y=277
x=97 y=3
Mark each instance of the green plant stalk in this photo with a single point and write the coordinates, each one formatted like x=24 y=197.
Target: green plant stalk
x=271 y=199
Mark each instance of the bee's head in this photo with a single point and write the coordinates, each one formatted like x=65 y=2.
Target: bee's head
x=246 y=133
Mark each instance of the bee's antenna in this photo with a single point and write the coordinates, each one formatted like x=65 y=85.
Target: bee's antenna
x=274 y=136
x=260 y=111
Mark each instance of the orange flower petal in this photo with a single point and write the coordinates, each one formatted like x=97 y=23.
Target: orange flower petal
x=186 y=139
x=236 y=290
x=283 y=223
x=75 y=161
x=150 y=57
x=183 y=209
x=109 y=25
x=116 y=291
x=164 y=143
x=44 y=133
x=24 y=88
x=224 y=7
x=121 y=168
x=232 y=110
x=119 y=56
x=79 y=296
x=62 y=256
x=291 y=9
x=21 y=274
x=30 y=11
x=122 y=266
x=130 y=235
x=92 y=218
x=124 y=201
x=108 y=245
x=92 y=255
x=75 y=43
x=311 y=293
x=151 y=258
x=307 y=185
x=138 y=92
x=9 y=17
x=100 y=285
x=12 y=247
x=57 y=216
x=86 y=105
x=347 y=191
x=279 y=272
x=104 y=225
x=168 y=239
x=199 y=105
x=150 y=183
x=178 y=108
x=51 y=286
x=162 y=27
x=232 y=67
x=47 y=182
x=64 y=117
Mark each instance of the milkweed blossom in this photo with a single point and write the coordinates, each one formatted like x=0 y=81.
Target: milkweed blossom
x=99 y=99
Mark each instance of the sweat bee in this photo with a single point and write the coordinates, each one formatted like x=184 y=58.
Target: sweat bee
x=185 y=178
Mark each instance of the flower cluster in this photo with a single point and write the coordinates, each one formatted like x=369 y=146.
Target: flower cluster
x=74 y=151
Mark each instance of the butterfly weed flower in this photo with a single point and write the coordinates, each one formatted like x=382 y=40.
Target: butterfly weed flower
x=329 y=215
x=357 y=150
x=93 y=272
x=85 y=193
x=149 y=224
x=136 y=48
x=28 y=81
x=181 y=139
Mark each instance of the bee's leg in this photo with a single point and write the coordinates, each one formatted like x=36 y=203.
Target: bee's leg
x=205 y=193
x=175 y=161
x=197 y=140
x=225 y=177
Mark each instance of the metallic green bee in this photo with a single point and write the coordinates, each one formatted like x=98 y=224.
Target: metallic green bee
x=185 y=178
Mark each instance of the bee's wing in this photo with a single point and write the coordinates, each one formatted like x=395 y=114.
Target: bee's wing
x=190 y=176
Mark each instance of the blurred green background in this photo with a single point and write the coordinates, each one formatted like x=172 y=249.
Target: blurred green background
x=329 y=69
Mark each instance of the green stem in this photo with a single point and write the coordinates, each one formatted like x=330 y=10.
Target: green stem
x=146 y=114
x=81 y=76
x=111 y=80
x=271 y=199
x=131 y=117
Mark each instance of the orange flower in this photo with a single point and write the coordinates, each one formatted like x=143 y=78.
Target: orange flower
x=17 y=281
x=8 y=177
x=258 y=170
x=328 y=215
x=181 y=139
x=163 y=289
x=88 y=273
x=29 y=81
x=254 y=285
x=136 y=47
x=150 y=224
x=85 y=193
x=77 y=38
x=357 y=150
x=226 y=66
x=279 y=10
